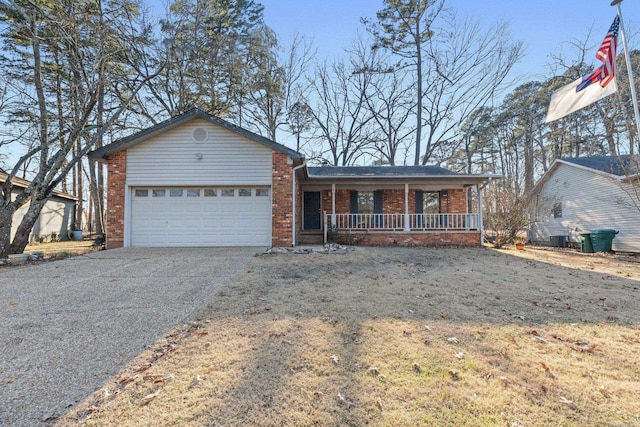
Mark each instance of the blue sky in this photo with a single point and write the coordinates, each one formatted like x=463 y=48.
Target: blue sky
x=544 y=25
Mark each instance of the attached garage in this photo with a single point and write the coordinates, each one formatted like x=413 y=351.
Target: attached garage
x=197 y=180
x=193 y=216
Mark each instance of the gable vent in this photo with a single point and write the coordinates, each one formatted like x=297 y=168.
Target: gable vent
x=200 y=135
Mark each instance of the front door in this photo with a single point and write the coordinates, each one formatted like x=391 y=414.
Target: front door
x=311 y=210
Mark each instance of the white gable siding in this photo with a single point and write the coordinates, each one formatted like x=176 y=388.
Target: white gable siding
x=171 y=158
x=589 y=200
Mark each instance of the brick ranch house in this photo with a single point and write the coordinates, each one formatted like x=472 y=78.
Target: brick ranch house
x=197 y=180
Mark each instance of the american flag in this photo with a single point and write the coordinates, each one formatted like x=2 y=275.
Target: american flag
x=607 y=54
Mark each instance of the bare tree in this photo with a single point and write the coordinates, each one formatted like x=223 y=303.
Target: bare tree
x=466 y=69
x=404 y=27
x=342 y=119
x=34 y=31
x=392 y=104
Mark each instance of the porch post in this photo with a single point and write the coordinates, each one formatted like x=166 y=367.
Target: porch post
x=333 y=205
x=406 y=208
x=480 y=228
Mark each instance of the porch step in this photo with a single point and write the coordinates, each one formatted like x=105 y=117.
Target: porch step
x=310 y=238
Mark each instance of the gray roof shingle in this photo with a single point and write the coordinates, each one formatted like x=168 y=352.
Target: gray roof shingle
x=378 y=171
x=615 y=165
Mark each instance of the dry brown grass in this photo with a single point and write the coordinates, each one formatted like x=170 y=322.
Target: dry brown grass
x=397 y=337
x=63 y=249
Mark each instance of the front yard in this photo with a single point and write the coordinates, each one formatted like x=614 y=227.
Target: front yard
x=395 y=337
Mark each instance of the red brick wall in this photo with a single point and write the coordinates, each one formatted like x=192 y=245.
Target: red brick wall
x=464 y=238
x=281 y=214
x=393 y=201
x=117 y=176
x=458 y=201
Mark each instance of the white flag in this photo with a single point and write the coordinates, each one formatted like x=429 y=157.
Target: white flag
x=566 y=100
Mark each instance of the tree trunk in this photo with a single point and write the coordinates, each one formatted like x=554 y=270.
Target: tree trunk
x=6 y=220
x=21 y=238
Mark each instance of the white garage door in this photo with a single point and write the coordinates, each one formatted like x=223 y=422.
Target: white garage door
x=188 y=216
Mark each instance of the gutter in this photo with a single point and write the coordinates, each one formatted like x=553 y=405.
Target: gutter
x=293 y=202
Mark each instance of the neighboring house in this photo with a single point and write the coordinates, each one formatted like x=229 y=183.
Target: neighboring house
x=197 y=180
x=56 y=218
x=584 y=193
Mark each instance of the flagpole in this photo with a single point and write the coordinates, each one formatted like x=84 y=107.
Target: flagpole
x=634 y=97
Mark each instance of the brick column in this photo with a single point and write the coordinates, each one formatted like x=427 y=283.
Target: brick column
x=117 y=178
x=281 y=200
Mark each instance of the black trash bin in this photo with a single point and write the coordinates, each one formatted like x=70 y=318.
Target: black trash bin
x=602 y=239
x=585 y=243
x=558 y=241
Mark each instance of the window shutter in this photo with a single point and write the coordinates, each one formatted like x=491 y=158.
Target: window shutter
x=419 y=201
x=377 y=202
x=353 y=202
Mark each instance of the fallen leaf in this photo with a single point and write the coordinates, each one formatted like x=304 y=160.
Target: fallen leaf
x=417 y=368
x=545 y=367
x=454 y=374
x=148 y=398
x=379 y=403
x=195 y=381
x=460 y=355
x=373 y=371
x=567 y=402
x=335 y=359
x=452 y=340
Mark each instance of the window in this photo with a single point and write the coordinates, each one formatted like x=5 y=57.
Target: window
x=431 y=202
x=262 y=192
x=244 y=192
x=193 y=192
x=228 y=192
x=158 y=193
x=175 y=192
x=210 y=192
x=557 y=210
x=142 y=193
x=365 y=202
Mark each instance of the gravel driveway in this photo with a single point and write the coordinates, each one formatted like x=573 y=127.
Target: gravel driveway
x=68 y=326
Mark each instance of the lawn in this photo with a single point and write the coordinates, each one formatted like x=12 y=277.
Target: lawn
x=396 y=337
x=62 y=249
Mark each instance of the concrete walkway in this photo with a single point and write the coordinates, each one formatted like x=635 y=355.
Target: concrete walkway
x=68 y=326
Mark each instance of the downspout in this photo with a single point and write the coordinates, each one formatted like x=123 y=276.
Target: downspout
x=293 y=202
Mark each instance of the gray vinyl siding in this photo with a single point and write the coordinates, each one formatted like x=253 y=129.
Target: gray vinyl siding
x=172 y=159
x=54 y=222
x=589 y=200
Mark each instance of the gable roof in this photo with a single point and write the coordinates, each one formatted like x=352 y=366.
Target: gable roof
x=23 y=183
x=131 y=140
x=618 y=167
x=614 y=165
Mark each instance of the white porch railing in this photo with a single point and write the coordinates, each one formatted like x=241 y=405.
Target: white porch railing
x=396 y=222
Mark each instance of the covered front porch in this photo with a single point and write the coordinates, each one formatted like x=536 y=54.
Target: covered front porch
x=409 y=206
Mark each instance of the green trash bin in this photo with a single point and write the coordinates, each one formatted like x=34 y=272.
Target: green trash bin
x=585 y=243
x=602 y=239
